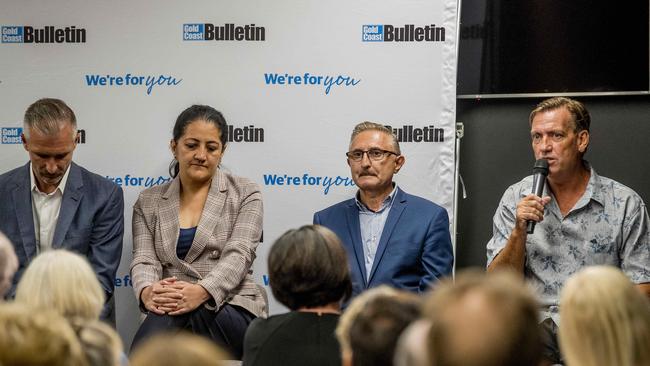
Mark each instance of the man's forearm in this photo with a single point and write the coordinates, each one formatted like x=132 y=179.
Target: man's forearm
x=513 y=254
x=644 y=288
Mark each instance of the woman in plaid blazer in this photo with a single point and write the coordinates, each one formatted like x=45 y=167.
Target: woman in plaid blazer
x=194 y=240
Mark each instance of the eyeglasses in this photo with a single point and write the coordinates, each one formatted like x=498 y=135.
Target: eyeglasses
x=373 y=154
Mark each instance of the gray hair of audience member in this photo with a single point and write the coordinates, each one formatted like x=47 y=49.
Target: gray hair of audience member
x=369 y=328
x=100 y=343
x=37 y=337
x=62 y=281
x=372 y=126
x=8 y=264
x=412 y=345
x=308 y=267
x=483 y=320
x=605 y=319
x=48 y=116
x=180 y=349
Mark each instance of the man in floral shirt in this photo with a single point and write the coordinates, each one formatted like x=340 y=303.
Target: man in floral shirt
x=587 y=219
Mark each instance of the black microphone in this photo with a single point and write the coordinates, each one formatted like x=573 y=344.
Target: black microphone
x=540 y=171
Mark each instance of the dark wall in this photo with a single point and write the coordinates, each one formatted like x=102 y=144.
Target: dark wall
x=496 y=152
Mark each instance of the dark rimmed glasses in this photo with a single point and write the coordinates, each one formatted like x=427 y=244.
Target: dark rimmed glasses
x=373 y=154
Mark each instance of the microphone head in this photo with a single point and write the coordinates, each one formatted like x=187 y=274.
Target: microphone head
x=541 y=167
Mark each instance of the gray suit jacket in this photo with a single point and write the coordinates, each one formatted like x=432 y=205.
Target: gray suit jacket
x=223 y=249
x=91 y=221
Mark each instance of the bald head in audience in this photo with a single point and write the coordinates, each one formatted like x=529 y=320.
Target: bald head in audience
x=8 y=264
x=483 y=320
x=411 y=349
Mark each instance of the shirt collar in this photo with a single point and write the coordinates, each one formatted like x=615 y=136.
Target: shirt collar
x=594 y=189
x=388 y=201
x=60 y=187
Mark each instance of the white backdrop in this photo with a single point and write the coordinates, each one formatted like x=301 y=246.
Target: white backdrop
x=128 y=68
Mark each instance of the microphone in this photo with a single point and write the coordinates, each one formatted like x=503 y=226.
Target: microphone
x=540 y=171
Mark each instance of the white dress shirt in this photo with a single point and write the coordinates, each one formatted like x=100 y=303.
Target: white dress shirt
x=45 y=209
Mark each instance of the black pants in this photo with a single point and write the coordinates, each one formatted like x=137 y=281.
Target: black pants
x=551 y=347
x=225 y=327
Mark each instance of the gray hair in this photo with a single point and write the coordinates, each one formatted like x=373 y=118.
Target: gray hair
x=48 y=116
x=372 y=126
x=45 y=284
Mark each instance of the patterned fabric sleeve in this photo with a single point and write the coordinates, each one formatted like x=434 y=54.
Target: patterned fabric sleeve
x=635 y=253
x=145 y=266
x=503 y=223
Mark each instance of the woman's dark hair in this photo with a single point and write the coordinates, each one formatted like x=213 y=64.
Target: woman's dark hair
x=196 y=113
x=308 y=267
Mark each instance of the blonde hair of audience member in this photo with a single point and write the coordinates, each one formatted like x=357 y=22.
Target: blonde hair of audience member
x=8 y=264
x=408 y=303
x=181 y=349
x=100 y=343
x=62 y=281
x=37 y=338
x=605 y=320
x=483 y=320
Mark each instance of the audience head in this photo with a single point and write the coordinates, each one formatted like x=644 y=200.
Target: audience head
x=370 y=327
x=605 y=319
x=31 y=337
x=49 y=136
x=181 y=349
x=483 y=320
x=203 y=129
x=8 y=264
x=412 y=345
x=308 y=268
x=99 y=342
x=64 y=282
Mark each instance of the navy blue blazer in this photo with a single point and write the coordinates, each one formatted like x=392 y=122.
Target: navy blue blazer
x=91 y=221
x=414 y=250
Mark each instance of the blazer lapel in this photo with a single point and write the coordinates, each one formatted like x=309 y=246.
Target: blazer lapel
x=168 y=211
x=69 y=204
x=355 y=235
x=391 y=222
x=209 y=217
x=22 y=199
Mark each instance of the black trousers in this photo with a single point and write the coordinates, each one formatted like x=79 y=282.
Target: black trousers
x=225 y=327
x=551 y=346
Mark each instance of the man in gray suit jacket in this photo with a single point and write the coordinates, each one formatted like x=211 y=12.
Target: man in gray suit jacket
x=52 y=203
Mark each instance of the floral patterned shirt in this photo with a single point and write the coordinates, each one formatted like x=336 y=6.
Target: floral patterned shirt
x=607 y=226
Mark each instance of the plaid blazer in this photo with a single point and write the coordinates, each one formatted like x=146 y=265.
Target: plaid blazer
x=223 y=249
